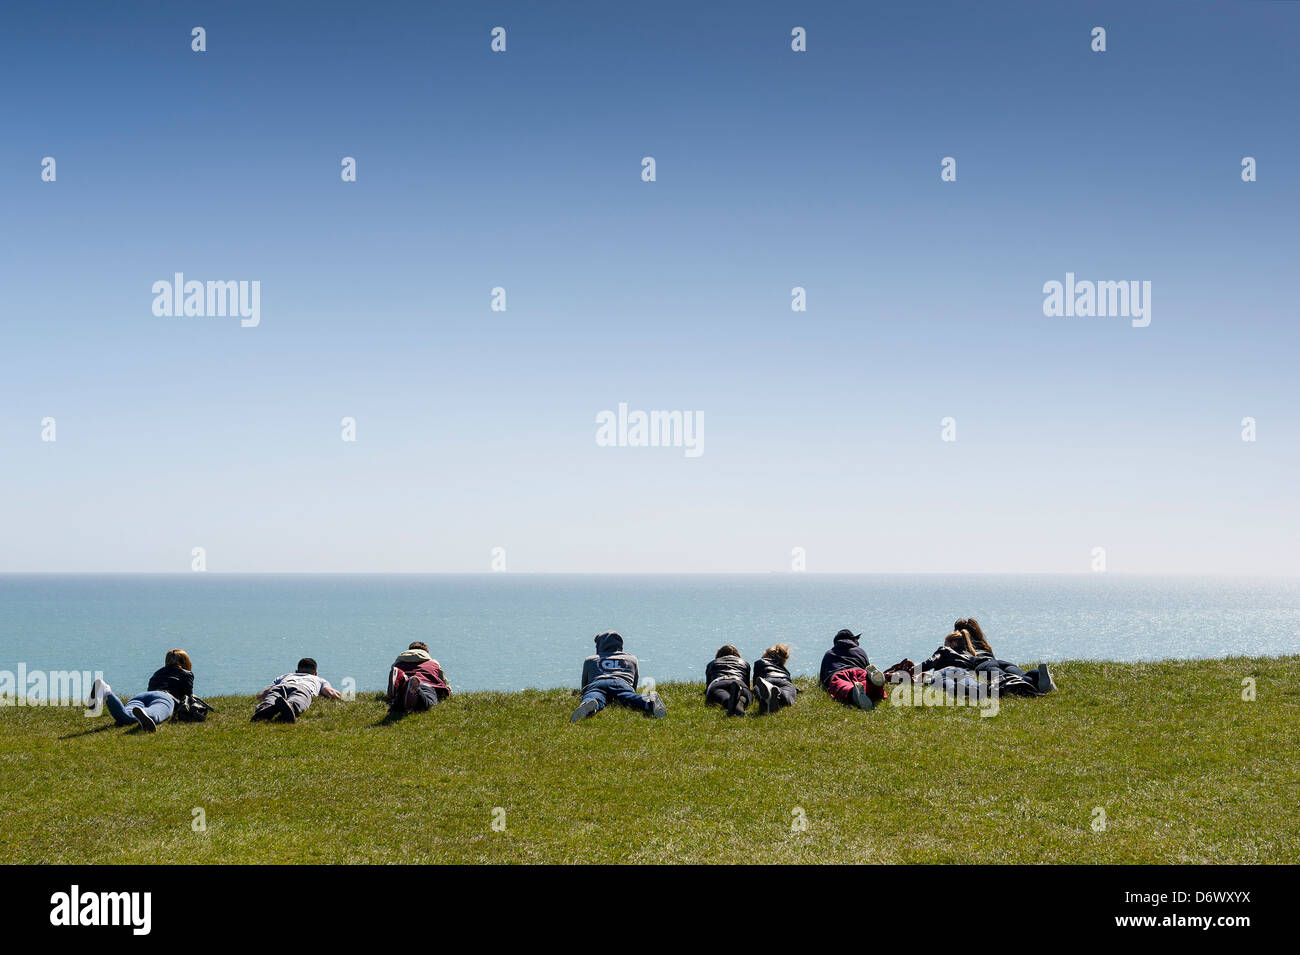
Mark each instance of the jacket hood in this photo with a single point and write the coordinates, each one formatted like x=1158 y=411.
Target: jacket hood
x=608 y=642
x=413 y=656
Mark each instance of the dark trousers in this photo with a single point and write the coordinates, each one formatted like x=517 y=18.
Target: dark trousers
x=719 y=694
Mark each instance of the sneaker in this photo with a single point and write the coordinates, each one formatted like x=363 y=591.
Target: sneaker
x=657 y=709
x=858 y=697
x=1045 y=682
x=874 y=676
x=143 y=719
x=414 y=700
x=98 y=690
x=736 y=708
x=286 y=711
x=585 y=709
x=763 y=690
x=263 y=713
x=392 y=683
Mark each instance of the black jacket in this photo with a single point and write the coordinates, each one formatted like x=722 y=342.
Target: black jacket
x=727 y=668
x=772 y=672
x=179 y=683
x=844 y=654
x=946 y=656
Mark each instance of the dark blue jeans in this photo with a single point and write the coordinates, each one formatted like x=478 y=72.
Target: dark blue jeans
x=610 y=689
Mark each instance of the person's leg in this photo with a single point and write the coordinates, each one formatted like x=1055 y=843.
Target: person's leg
x=593 y=701
x=841 y=685
x=298 y=701
x=717 y=695
x=116 y=710
x=743 y=698
x=783 y=695
x=429 y=694
x=625 y=694
x=159 y=705
x=396 y=688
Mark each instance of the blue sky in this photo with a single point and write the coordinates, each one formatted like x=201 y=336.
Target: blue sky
x=774 y=169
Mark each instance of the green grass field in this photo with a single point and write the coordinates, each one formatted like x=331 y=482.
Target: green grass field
x=1184 y=769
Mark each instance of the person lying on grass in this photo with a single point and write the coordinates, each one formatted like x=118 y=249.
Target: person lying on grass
x=848 y=675
x=772 y=683
x=1012 y=678
x=416 y=681
x=167 y=687
x=292 y=693
x=965 y=663
x=727 y=681
x=609 y=676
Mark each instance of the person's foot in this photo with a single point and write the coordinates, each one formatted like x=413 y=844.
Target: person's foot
x=859 y=698
x=734 y=708
x=286 y=711
x=657 y=709
x=585 y=708
x=874 y=676
x=392 y=684
x=413 y=697
x=98 y=690
x=1045 y=682
x=263 y=713
x=763 y=690
x=141 y=717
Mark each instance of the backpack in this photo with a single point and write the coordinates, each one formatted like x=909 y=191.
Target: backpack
x=191 y=709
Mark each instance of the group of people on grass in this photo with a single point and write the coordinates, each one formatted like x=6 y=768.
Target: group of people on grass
x=964 y=664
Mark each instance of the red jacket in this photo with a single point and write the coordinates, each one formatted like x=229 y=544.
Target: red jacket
x=427 y=671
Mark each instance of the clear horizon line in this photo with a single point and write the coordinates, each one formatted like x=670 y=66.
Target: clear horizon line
x=634 y=573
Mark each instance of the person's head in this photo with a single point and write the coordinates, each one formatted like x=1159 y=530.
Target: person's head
x=307 y=665
x=609 y=642
x=778 y=654
x=419 y=645
x=847 y=635
x=178 y=658
x=959 y=640
x=977 y=639
x=726 y=650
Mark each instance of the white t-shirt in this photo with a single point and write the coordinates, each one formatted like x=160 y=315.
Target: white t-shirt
x=310 y=683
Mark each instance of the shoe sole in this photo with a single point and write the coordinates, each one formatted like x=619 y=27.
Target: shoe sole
x=142 y=718
x=860 y=699
x=582 y=712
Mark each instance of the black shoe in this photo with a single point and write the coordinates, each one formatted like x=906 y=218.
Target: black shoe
x=585 y=709
x=734 y=708
x=286 y=711
x=263 y=713
x=858 y=697
x=146 y=723
x=1045 y=682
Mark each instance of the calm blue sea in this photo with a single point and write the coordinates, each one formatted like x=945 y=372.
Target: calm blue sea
x=507 y=632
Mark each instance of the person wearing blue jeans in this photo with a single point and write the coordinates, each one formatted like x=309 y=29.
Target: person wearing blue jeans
x=610 y=676
x=157 y=707
x=171 y=683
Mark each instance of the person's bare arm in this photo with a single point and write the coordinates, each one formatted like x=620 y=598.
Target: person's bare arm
x=262 y=695
x=329 y=693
